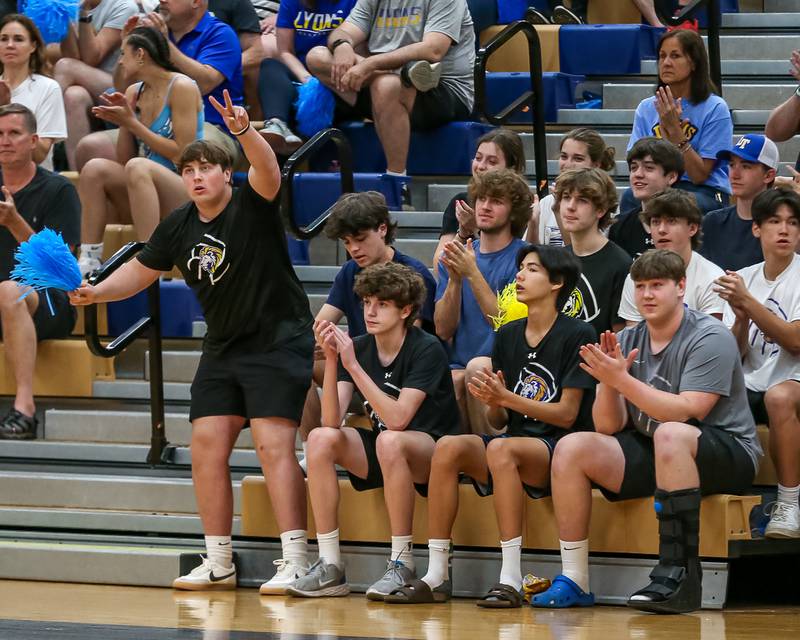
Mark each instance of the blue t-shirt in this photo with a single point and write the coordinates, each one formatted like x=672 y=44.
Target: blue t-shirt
x=214 y=43
x=474 y=335
x=709 y=130
x=728 y=241
x=344 y=298
x=312 y=26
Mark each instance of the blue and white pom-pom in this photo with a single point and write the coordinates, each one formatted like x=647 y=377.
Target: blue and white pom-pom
x=314 y=106
x=52 y=17
x=44 y=262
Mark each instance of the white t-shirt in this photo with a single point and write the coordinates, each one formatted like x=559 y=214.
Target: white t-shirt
x=42 y=95
x=766 y=363
x=549 y=232
x=700 y=294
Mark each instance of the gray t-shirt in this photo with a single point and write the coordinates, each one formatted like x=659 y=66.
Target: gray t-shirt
x=702 y=356
x=391 y=24
x=112 y=14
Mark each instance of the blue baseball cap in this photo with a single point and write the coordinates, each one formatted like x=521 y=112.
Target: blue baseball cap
x=754 y=147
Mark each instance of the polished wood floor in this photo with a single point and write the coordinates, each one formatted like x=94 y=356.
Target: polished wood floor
x=212 y=615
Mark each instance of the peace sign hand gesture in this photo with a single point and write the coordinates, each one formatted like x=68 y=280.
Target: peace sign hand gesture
x=235 y=117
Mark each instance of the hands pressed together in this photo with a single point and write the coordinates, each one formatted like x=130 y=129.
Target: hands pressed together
x=604 y=361
x=334 y=342
x=489 y=387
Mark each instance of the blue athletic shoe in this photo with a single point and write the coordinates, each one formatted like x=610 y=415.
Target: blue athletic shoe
x=562 y=594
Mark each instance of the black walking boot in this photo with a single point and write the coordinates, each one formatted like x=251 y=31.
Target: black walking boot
x=675 y=585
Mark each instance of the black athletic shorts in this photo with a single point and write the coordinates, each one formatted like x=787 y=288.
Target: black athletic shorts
x=271 y=384
x=432 y=108
x=757 y=407
x=484 y=490
x=374 y=479
x=723 y=464
x=60 y=323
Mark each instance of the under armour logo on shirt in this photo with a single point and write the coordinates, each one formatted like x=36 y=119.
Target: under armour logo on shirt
x=386 y=376
x=532 y=355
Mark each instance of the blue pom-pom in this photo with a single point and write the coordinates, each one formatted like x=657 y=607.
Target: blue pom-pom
x=658 y=506
x=52 y=17
x=314 y=106
x=43 y=262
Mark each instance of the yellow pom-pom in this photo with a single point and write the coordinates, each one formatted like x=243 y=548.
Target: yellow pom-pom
x=508 y=307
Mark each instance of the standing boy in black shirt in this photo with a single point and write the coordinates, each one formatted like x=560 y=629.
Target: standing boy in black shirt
x=586 y=198
x=403 y=374
x=654 y=166
x=256 y=365
x=536 y=393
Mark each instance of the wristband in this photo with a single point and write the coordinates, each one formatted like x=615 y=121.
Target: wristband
x=336 y=43
x=684 y=146
x=85 y=19
x=242 y=132
x=797 y=91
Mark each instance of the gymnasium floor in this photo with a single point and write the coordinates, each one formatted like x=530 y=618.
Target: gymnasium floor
x=42 y=610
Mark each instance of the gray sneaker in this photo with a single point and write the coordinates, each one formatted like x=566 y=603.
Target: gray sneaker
x=323 y=580
x=397 y=574
x=422 y=75
x=280 y=137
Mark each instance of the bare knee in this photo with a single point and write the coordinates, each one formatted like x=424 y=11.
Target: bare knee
x=385 y=89
x=391 y=447
x=499 y=455
x=781 y=402
x=10 y=292
x=448 y=453
x=76 y=97
x=208 y=449
x=96 y=171
x=570 y=453
x=137 y=169
x=673 y=439
x=318 y=60
x=324 y=443
x=66 y=71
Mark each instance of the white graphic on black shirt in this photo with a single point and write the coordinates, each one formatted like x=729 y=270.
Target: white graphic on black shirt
x=377 y=423
x=210 y=257
x=583 y=307
x=535 y=382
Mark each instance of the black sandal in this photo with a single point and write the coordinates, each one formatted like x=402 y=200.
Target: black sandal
x=418 y=592
x=501 y=596
x=18 y=426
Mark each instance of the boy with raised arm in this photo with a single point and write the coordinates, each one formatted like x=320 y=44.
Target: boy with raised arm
x=230 y=246
x=401 y=372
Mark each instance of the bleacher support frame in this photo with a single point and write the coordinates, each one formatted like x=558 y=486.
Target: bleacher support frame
x=532 y=100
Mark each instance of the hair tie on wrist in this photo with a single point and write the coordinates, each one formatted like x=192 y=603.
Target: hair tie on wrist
x=243 y=131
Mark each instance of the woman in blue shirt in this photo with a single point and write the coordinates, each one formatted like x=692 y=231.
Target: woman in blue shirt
x=301 y=26
x=687 y=112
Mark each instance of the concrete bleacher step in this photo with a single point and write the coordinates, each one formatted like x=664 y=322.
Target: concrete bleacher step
x=737 y=95
x=139 y=390
x=777 y=68
x=787 y=20
x=177 y=366
x=756 y=47
x=780 y=6
x=624 y=118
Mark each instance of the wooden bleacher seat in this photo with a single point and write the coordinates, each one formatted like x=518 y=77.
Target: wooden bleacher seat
x=627 y=527
x=513 y=56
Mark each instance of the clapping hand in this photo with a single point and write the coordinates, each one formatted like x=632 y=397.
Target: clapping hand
x=488 y=387
x=115 y=109
x=670 y=115
x=466 y=219
x=459 y=259
x=604 y=361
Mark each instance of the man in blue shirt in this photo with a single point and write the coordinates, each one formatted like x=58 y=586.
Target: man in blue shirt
x=472 y=276
x=728 y=238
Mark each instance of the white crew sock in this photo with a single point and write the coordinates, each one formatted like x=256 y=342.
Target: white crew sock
x=220 y=551
x=396 y=174
x=304 y=446
x=575 y=562
x=788 y=495
x=402 y=550
x=294 y=547
x=92 y=251
x=511 y=571
x=329 y=552
x=438 y=557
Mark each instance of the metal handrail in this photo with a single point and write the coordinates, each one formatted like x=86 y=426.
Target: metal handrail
x=664 y=9
x=160 y=449
x=298 y=159
x=534 y=99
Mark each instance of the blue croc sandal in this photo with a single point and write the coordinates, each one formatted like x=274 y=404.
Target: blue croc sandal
x=562 y=594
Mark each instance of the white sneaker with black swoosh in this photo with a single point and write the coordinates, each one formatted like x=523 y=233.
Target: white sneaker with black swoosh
x=288 y=571
x=208 y=576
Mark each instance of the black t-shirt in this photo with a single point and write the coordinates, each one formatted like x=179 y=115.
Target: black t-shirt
x=542 y=371
x=238 y=265
x=48 y=200
x=728 y=241
x=629 y=233
x=596 y=298
x=449 y=220
x=8 y=6
x=239 y=14
x=422 y=364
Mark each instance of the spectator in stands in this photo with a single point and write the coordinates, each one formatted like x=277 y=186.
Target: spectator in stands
x=25 y=80
x=497 y=149
x=580 y=148
x=763 y=311
x=417 y=73
x=363 y=224
x=230 y=246
x=672 y=419
x=535 y=394
x=687 y=113
x=559 y=14
x=267 y=12
x=160 y=113
x=33 y=198
x=728 y=239
x=674 y=222
x=89 y=55
x=654 y=165
x=586 y=198
x=201 y=47
x=471 y=276
x=241 y=16
x=784 y=120
x=401 y=372
x=301 y=26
